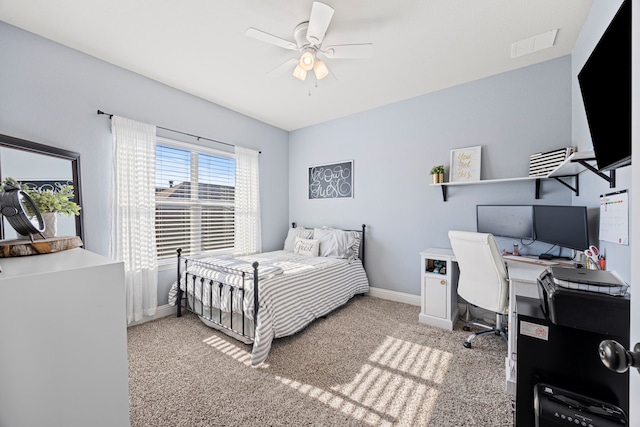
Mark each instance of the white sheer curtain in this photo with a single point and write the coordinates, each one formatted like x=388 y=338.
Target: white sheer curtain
x=248 y=239
x=133 y=238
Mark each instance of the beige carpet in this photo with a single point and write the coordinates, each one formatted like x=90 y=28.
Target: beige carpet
x=369 y=363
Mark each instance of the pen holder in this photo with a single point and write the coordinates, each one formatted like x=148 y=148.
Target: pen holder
x=591 y=264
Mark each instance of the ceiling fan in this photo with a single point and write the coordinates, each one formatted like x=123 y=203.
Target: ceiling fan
x=308 y=38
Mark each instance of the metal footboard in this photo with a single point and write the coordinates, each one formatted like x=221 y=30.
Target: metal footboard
x=190 y=302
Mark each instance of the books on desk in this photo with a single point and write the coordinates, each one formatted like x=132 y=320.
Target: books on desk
x=528 y=260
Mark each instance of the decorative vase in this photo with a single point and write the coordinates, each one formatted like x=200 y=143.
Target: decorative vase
x=50 y=224
x=437 y=178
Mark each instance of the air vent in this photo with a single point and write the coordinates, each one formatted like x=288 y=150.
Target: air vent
x=533 y=44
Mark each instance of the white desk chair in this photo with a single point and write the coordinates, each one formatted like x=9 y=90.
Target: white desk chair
x=484 y=281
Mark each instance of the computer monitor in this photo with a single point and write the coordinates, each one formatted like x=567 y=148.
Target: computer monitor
x=506 y=220
x=565 y=226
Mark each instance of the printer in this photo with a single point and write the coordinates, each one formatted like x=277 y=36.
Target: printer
x=592 y=300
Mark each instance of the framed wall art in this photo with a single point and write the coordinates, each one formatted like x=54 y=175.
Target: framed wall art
x=465 y=164
x=331 y=181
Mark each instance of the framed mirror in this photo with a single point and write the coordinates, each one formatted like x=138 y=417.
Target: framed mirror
x=41 y=166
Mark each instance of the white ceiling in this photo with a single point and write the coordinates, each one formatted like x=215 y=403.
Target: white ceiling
x=200 y=47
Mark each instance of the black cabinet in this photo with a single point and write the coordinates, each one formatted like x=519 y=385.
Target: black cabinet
x=564 y=357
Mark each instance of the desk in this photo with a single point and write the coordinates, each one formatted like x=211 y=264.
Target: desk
x=523 y=281
x=566 y=358
x=439 y=297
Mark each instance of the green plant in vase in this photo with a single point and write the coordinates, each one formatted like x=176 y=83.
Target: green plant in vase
x=437 y=173
x=58 y=201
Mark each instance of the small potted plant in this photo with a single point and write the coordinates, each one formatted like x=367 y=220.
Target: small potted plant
x=50 y=203
x=437 y=173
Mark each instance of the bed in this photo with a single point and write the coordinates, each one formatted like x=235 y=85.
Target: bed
x=257 y=298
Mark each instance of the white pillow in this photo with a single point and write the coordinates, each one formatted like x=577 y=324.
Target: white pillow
x=357 y=235
x=335 y=243
x=307 y=247
x=305 y=233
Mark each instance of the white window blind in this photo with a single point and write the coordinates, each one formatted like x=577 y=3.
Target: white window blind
x=194 y=200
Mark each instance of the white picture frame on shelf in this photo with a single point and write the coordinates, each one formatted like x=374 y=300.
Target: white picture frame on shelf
x=465 y=164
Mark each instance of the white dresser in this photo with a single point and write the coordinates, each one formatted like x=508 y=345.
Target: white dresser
x=63 y=351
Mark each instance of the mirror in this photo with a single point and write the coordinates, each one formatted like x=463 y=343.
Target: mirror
x=41 y=166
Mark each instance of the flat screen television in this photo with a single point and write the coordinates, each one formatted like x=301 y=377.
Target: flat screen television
x=565 y=226
x=505 y=220
x=605 y=83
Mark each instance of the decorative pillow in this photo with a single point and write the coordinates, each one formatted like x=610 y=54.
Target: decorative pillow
x=335 y=243
x=305 y=233
x=356 y=246
x=307 y=247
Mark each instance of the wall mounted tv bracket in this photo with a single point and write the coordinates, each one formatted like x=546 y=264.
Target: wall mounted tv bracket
x=611 y=178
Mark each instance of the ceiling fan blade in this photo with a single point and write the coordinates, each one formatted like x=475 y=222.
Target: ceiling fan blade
x=285 y=67
x=271 y=39
x=361 y=51
x=321 y=15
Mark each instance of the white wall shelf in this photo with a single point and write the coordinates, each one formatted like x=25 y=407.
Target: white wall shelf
x=570 y=168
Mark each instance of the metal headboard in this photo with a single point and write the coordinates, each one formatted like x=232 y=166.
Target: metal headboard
x=362 y=246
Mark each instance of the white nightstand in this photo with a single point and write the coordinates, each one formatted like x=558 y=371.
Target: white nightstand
x=439 y=305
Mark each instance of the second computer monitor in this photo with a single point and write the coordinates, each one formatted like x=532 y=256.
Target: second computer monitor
x=506 y=220
x=565 y=226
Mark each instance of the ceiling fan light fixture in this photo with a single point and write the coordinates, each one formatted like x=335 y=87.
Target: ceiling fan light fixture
x=321 y=70
x=299 y=72
x=309 y=37
x=307 y=60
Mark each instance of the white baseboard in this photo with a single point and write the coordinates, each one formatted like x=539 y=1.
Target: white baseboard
x=395 y=296
x=162 y=311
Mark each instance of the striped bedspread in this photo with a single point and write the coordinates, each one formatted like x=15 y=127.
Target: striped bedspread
x=307 y=288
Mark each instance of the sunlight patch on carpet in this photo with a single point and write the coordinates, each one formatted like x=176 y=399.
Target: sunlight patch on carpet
x=399 y=382
x=230 y=349
x=414 y=359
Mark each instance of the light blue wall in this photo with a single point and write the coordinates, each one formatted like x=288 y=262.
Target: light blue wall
x=592 y=186
x=50 y=94
x=511 y=115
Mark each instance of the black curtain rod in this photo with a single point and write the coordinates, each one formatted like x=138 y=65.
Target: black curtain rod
x=183 y=133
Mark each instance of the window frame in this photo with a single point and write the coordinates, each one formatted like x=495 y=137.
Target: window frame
x=195 y=150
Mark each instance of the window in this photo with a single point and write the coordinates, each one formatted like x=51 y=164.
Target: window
x=195 y=191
